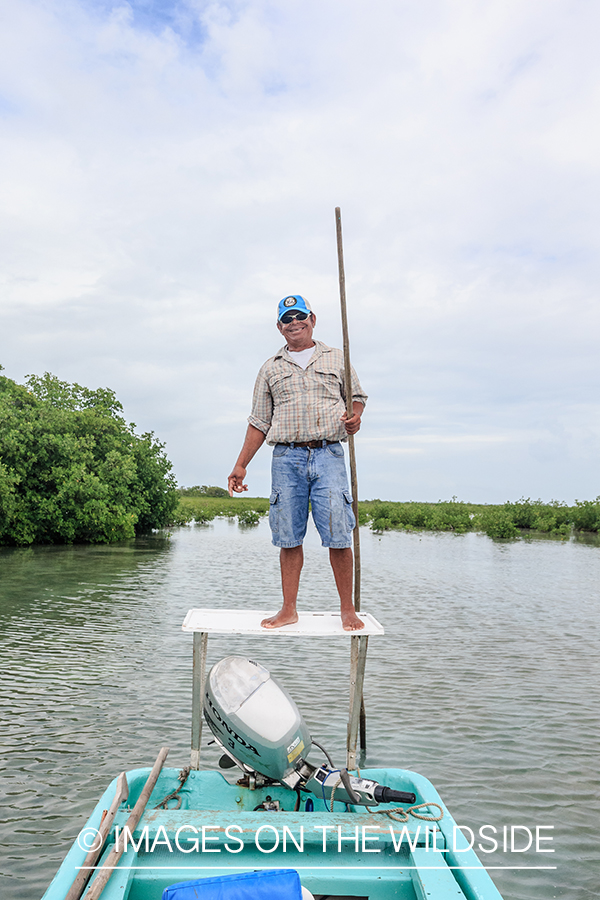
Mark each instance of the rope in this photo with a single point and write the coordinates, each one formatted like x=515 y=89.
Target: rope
x=405 y=813
x=183 y=777
x=338 y=782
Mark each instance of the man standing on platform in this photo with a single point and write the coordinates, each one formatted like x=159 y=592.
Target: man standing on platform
x=299 y=408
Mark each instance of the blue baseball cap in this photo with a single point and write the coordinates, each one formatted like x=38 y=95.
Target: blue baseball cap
x=293 y=302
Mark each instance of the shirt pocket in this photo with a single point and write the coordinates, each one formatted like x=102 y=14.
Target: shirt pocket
x=327 y=381
x=281 y=386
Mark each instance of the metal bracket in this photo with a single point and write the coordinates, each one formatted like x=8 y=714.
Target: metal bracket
x=358 y=661
x=198 y=682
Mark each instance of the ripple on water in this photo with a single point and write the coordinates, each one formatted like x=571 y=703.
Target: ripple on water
x=486 y=680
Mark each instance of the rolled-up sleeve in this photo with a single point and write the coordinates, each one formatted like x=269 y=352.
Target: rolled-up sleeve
x=358 y=395
x=262 y=404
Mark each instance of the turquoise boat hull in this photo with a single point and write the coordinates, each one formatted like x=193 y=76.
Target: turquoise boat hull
x=217 y=830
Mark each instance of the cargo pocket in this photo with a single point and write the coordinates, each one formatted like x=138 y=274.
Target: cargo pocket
x=350 y=520
x=274 y=513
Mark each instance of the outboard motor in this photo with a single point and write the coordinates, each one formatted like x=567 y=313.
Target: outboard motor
x=260 y=728
x=254 y=718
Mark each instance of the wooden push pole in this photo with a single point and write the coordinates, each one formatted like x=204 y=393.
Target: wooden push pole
x=352 y=454
x=85 y=872
x=349 y=408
x=101 y=879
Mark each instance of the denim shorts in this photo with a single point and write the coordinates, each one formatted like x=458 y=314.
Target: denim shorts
x=300 y=475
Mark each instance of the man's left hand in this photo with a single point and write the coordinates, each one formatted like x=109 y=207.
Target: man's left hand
x=351 y=425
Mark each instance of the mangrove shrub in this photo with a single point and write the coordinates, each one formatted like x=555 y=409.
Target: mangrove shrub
x=203 y=490
x=72 y=469
x=449 y=516
x=509 y=520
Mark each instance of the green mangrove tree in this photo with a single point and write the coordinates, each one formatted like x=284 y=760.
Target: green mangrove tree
x=73 y=470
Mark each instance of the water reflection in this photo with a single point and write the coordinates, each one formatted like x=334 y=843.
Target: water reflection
x=486 y=680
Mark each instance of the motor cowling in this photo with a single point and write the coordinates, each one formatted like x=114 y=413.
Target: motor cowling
x=254 y=718
x=259 y=726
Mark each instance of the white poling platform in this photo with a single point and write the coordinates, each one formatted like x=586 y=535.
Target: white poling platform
x=247 y=621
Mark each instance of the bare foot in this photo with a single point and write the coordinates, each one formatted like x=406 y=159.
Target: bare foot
x=282 y=618
x=351 y=622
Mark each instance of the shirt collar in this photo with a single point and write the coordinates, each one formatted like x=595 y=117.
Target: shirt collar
x=319 y=349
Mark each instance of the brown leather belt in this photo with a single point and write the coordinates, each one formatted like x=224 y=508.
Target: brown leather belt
x=312 y=445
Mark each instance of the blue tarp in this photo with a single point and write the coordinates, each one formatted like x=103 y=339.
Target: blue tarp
x=274 y=884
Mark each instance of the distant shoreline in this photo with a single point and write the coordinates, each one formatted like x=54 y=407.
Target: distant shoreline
x=500 y=521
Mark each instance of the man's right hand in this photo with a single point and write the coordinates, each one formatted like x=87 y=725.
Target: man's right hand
x=253 y=440
x=235 y=482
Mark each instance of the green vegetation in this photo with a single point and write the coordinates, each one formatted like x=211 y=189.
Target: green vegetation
x=451 y=516
x=203 y=490
x=203 y=509
x=509 y=520
x=72 y=470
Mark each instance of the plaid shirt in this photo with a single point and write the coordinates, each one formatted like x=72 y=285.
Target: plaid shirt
x=292 y=404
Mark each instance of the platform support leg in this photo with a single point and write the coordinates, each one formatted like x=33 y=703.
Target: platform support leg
x=358 y=660
x=198 y=680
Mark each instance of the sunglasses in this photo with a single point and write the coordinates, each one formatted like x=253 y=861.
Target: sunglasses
x=290 y=316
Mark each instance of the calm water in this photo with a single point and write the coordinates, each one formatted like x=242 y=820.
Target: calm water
x=487 y=680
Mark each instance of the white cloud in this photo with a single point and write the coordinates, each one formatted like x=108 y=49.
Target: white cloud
x=167 y=173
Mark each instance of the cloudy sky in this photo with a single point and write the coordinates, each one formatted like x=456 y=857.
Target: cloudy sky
x=169 y=170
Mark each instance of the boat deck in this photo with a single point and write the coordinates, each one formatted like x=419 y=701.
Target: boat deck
x=347 y=853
